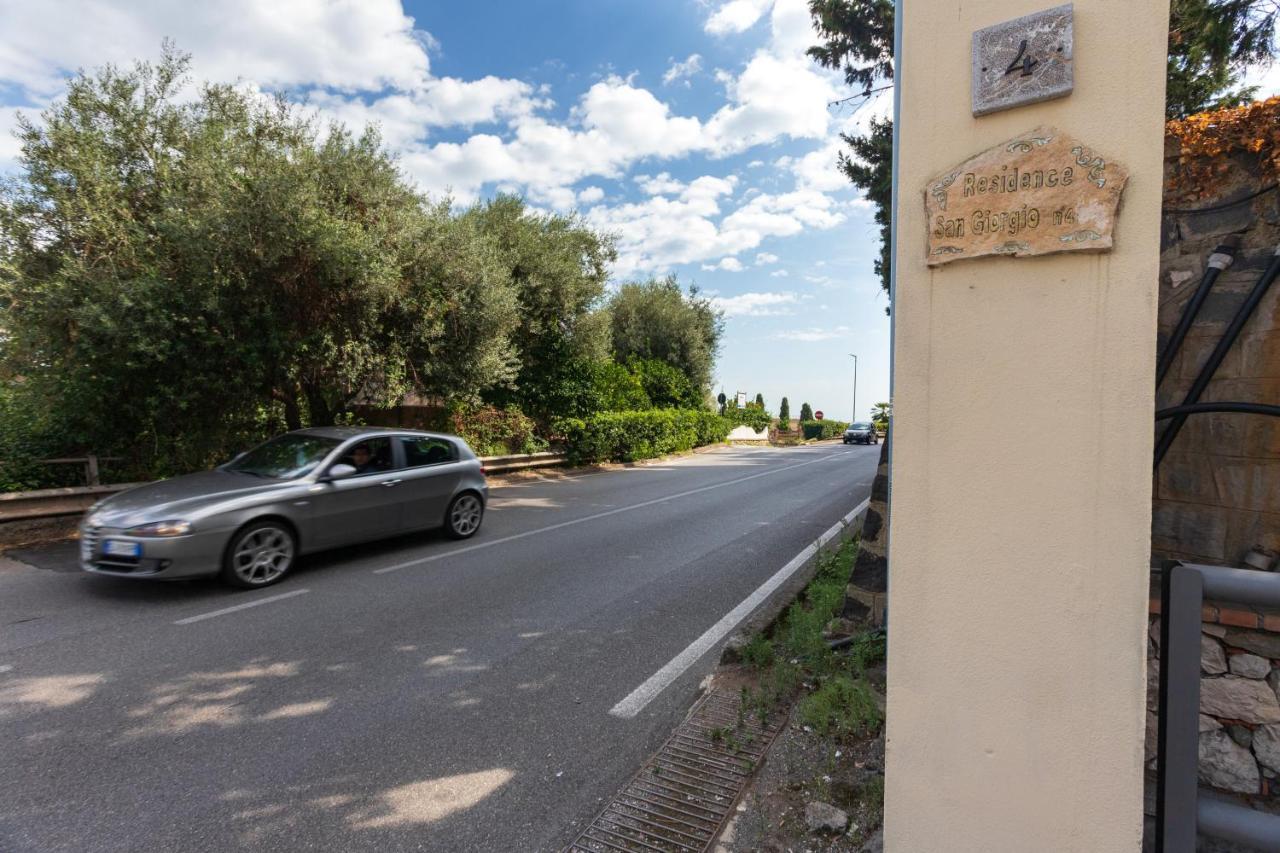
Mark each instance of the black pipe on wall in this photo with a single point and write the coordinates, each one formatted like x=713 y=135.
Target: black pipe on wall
x=1219 y=353
x=1218 y=261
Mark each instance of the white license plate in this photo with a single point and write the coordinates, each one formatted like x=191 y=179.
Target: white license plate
x=116 y=548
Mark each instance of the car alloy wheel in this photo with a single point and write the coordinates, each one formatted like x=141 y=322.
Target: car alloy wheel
x=464 y=516
x=260 y=555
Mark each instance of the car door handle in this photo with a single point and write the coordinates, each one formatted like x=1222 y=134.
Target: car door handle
x=391 y=482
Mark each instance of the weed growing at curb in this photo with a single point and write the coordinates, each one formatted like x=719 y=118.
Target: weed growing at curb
x=841 y=707
x=831 y=748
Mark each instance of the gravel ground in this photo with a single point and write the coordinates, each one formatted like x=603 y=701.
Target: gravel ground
x=803 y=767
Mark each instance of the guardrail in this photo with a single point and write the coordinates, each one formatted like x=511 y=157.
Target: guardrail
x=53 y=503
x=73 y=500
x=522 y=461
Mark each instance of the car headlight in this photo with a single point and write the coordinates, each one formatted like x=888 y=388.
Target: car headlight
x=161 y=528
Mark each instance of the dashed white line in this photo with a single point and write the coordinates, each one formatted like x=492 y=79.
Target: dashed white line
x=6 y=667
x=255 y=603
x=636 y=701
x=489 y=543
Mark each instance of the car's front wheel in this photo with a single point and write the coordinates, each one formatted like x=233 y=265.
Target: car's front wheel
x=462 y=519
x=259 y=554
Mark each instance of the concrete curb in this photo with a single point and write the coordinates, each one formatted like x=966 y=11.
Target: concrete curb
x=783 y=596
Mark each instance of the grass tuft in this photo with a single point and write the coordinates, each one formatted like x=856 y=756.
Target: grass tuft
x=841 y=707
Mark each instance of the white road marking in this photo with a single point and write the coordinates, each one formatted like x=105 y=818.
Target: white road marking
x=245 y=606
x=636 y=701
x=491 y=542
x=6 y=667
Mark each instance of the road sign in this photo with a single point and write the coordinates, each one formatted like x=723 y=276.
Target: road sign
x=817 y=416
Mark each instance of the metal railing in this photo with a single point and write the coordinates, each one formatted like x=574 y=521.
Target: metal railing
x=89 y=461
x=1181 y=811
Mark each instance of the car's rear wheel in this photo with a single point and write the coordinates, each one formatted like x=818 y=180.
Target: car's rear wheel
x=259 y=555
x=462 y=519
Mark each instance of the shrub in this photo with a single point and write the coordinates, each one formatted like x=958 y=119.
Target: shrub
x=823 y=429
x=495 y=432
x=628 y=436
x=23 y=440
x=806 y=412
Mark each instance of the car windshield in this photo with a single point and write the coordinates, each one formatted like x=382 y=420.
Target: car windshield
x=860 y=425
x=285 y=457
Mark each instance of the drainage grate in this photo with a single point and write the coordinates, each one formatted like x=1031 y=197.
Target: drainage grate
x=681 y=797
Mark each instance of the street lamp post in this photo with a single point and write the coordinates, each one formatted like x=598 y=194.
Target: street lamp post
x=855 y=386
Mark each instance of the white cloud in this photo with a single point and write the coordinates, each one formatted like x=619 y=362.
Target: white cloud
x=772 y=98
x=765 y=258
x=660 y=184
x=613 y=126
x=350 y=45
x=780 y=92
x=779 y=274
x=817 y=170
x=405 y=116
x=736 y=16
x=756 y=304
x=791 y=28
x=813 y=335
x=782 y=215
x=682 y=70
x=660 y=231
x=682 y=223
x=590 y=195
x=729 y=264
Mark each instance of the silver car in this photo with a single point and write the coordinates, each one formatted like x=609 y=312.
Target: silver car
x=248 y=521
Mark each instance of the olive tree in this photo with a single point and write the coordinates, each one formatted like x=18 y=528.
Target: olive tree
x=181 y=270
x=655 y=319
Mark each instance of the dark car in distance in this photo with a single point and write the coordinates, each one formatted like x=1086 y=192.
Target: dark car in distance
x=862 y=432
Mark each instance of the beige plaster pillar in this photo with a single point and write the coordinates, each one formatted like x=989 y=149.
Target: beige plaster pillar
x=1021 y=480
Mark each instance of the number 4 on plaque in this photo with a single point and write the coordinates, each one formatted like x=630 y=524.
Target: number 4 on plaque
x=1026 y=62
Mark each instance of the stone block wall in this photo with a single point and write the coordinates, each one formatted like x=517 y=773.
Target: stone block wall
x=1239 y=700
x=1217 y=492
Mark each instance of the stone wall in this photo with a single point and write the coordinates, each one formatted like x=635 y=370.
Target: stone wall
x=1217 y=492
x=1239 y=700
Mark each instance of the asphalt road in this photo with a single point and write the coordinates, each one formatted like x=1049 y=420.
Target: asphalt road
x=420 y=694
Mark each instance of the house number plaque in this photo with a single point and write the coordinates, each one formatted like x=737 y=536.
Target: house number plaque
x=1023 y=61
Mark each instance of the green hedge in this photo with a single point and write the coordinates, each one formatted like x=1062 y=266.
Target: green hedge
x=753 y=416
x=628 y=436
x=823 y=429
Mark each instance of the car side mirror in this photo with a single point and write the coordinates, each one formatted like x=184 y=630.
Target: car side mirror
x=339 y=472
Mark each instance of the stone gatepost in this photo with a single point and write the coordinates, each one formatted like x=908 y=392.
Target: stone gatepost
x=1028 y=194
